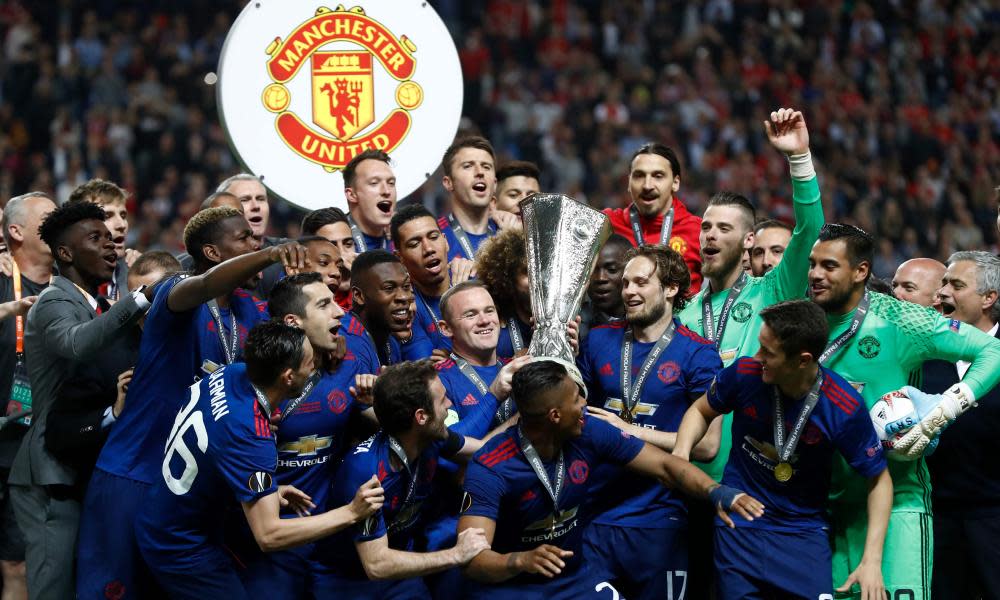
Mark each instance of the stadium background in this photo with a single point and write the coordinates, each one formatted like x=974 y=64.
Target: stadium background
x=902 y=100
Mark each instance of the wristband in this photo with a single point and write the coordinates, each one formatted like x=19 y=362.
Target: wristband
x=800 y=166
x=723 y=496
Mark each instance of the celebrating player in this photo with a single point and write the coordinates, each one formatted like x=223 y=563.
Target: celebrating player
x=875 y=342
x=470 y=180
x=221 y=445
x=332 y=224
x=656 y=215
x=516 y=180
x=370 y=188
x=411 y=407
x=196 y=324
x=527 y=486
x=790 y=418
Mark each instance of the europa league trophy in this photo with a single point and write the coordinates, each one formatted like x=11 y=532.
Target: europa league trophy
x=563 y=238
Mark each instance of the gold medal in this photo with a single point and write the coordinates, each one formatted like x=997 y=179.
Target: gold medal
x=626 y=414
x=783 y=472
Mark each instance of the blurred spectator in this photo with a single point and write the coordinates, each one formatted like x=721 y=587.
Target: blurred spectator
x=902 y=97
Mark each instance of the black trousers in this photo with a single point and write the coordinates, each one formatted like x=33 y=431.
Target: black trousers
x=966 y=557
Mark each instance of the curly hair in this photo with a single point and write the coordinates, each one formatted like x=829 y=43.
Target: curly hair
x=670 y=269
x=55 y=225
x=499 y=261
x=203 y=229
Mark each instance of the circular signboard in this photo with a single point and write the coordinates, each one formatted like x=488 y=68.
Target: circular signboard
x=303 y=88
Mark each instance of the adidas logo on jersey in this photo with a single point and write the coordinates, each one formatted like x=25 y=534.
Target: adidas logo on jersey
x=528 y=496
x=469 y=400
x=607 y=370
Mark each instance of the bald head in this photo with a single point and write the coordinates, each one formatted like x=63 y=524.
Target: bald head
x=917 y=279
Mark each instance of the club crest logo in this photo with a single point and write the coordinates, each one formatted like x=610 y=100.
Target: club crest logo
x=343 y=86
x=668 y=372
x=304 y=88
x=678 y=244
x=869 y=346
x=742 y=312
x=336 y=401
x=578 y=471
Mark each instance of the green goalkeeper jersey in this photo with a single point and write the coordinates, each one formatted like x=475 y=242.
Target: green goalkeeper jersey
x=787 y=281
x=894 y=339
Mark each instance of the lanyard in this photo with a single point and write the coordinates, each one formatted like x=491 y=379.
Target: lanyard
x=708 y=319
x=630 y=394
x=506 y=407
x=388 y=349
x=295 y=402
x=786 y=448
x=397 y=449
x=462 y=237
x=665 y=229
x=859 y=316
x=434 y=316
x=359 y=238
x=536 y=465
x=262 y=400
x=19 y=320
x=515 y=335
x=229 y=347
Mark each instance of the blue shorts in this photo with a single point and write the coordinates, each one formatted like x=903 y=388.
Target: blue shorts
x=640 y=563
x=284 y=574
x=108 y=561
x=210 y=574
x=760 y=563
x=333 y=586
x=581 y=583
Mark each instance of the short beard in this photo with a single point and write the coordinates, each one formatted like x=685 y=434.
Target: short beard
x=648 y=317
x=725 y=268
x=835 y=304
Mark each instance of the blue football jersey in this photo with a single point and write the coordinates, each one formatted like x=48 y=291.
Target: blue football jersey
x=505 y=345
x=174 y=349
x=426 y=320
x=839 y=423
x=375 y=242
x=502 y=486
x=393 y=352
x=475 y=239
x=477 y=412
x=681 y=375
x=220 y=450
x=312 y=439
x=399 y=518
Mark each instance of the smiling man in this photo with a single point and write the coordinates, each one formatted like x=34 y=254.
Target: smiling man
x=370 y=188
x=875 y=343
x=770 y=238
x=917 y=281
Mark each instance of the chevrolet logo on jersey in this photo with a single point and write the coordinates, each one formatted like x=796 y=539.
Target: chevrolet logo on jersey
x=307 y=445
x=551 y=527
x=641 y=408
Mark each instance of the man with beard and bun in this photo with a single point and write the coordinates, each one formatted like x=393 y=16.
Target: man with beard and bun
x=502 y=265
x=638 y=538
x=656 y=215
x=332 y=224
x=470 y=180
x=69 y=335
x=917 y=280
x=516 y=180
x=382 y=312
x=423 y=250
x=527 y=488
x=312 y=429
x=404 y=455
x=197 y=323
x=221 y=449
x=370 y=188
x=964 y=471
x=875 y=343
x=770 y=238
x=727 y=310
x=792 y=418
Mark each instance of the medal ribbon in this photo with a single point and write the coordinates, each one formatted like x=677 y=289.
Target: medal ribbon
x=504 y=410
x=295 y=402
x=859 y=316
x=786 y=448
x=536 y=465
x=515 y=335
x=708 y=319
x=397 y=449
x=19 y=320
x=229 y=347
x=665 y=229
x=630 y=394
x=359 y=238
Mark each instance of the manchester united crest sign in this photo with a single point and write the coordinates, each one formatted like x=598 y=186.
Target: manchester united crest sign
x=305 y=88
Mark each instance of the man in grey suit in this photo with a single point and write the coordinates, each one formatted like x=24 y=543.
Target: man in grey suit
x=67 y=328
